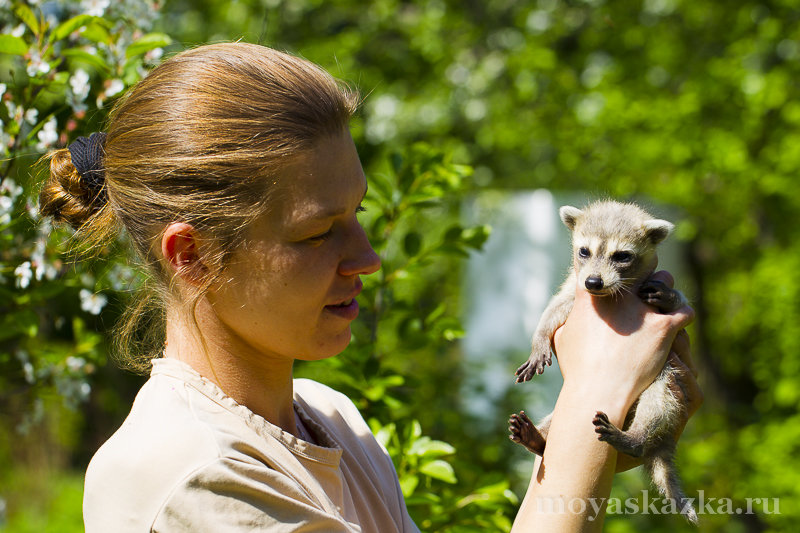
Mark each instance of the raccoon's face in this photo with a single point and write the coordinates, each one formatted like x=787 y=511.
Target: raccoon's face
x=614 y=245
x=608 y=267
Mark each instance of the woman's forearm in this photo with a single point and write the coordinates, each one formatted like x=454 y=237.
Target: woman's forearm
x=571 y=483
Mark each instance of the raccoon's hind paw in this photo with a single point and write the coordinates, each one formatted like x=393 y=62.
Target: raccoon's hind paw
x=524 y=432
x=621 y=441
x=606 y=431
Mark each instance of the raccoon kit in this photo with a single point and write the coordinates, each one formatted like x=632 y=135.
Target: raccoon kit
x=614 y=245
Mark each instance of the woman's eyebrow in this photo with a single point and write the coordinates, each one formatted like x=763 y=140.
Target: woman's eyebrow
x=323 y=213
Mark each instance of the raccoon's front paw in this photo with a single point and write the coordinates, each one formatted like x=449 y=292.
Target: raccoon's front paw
x=658 y=294
x=534 y=365
x=524 y=432
x=653 y=292
x=541 y=356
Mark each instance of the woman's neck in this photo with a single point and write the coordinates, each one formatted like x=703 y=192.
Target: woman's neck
x=260 y=382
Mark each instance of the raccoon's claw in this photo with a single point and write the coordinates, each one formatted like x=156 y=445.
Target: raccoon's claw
x=523 y=431
x=531 y=367
x=603 y=427
x=524 y=372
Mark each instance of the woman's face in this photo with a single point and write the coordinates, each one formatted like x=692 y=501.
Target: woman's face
x=291 y=291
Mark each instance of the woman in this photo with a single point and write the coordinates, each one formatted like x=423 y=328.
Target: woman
x=232 y=170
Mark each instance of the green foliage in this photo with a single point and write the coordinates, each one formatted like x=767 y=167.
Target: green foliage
x=688 y=103
x=59 y=69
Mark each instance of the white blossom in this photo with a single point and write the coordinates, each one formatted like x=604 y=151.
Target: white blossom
x=6 y=203
x=48 y=136
x=75 y=364
x=10 y=187
x=80 y=84
x=84 y=389
x=27 y=369
x=91 y=302
x=23 y=273
x=31 y=115
x=39 y=263
x=32 y=209
x=95 y=8
x=15 y=112
x=154 y=54
x=5 y=139
x=115 y=87
x=18 y=31
x=37 y=65
x=3 y=88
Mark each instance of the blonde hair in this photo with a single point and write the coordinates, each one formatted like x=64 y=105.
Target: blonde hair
x=202 y=140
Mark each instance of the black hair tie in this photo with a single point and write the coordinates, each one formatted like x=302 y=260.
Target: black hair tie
x=87 y=158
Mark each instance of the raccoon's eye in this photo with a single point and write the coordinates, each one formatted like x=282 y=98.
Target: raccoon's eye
x=622 y=257
x=584 y=252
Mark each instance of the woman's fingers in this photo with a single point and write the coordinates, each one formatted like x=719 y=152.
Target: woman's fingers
x=682 y=348
x=685 y=385
x=664 y=277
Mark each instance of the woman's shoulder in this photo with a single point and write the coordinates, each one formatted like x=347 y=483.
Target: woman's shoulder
x=339 y=418
x=160 y=442
x=327 y=402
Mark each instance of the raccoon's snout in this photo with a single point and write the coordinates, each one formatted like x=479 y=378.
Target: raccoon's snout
x=594 y=283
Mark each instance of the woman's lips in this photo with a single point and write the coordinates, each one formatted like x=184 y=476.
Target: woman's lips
x=347 y=310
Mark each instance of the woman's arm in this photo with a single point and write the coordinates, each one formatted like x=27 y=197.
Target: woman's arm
x=609 y=351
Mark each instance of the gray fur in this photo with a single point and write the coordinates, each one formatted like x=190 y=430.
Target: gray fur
x=614 y=244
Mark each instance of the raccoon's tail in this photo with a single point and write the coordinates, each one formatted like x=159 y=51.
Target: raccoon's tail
x=665 y=477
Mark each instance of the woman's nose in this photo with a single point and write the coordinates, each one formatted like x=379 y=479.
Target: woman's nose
x=361 y=259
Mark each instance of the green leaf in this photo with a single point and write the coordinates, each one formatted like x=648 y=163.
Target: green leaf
x=13 y=45
x=408 y=484
x=146 y=43
x=382 y=186
x=97 y=32
x=82 y=56
x=439 y=469
x=453 y=234
x=427 y=447
x=26 y=15
x=476 y=237
x=397 y=162
x=412 y=243
x=64 y=29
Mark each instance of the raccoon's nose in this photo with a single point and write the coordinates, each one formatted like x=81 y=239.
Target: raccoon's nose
x=594 y=283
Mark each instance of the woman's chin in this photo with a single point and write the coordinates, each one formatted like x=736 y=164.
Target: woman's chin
x=330 y=347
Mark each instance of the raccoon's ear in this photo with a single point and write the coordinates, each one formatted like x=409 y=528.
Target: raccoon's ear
x=658 y=230
x=569 y=216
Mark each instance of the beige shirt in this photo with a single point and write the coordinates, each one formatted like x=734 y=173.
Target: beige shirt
x=189 y=458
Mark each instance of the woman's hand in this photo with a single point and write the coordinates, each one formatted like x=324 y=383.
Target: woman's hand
x=611 y=349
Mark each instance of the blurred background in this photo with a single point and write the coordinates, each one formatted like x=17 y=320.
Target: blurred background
x=479 y=119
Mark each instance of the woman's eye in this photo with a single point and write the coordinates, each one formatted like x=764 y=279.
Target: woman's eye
x=320 y=238
x=584 y=252
x=360 y=209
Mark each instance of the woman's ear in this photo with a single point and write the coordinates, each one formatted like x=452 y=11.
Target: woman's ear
x=180 y=249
